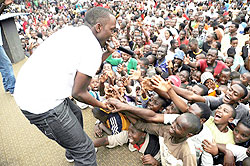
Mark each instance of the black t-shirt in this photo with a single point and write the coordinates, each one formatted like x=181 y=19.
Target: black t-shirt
x=205 y=47
x=193 y=56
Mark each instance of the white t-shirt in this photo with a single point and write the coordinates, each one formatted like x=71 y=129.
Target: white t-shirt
x=47 y=77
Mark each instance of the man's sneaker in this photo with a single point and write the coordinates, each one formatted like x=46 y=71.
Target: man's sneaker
x=69 y=159
x=96 y=149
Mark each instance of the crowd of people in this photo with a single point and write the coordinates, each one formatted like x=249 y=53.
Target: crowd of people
x=176 y=82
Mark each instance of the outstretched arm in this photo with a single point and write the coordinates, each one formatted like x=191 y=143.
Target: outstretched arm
x=146 y=114
x=189 y=95
x=165 y=86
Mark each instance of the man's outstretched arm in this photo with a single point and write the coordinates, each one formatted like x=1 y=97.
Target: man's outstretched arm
x=146 y=114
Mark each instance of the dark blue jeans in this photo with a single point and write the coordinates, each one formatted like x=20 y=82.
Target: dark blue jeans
x=64 y=125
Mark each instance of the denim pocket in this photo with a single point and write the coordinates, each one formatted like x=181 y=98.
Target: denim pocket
x=65 y=118
x=45 y=128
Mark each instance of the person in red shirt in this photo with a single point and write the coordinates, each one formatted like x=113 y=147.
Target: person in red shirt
x=182 y=39
x=210 y=61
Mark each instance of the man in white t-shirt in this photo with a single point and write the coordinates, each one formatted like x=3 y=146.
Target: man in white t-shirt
x=62 y=66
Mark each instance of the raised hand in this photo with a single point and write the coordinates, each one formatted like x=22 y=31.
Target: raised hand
x=147 y=84
x=161 y=84
x=170 y=64
x=103 y=78
x=135 y=74
x=186 y=60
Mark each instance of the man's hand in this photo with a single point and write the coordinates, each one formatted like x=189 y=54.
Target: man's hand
x=210 y=147
x=117 y=104
x=149 y=160
x=161 y=84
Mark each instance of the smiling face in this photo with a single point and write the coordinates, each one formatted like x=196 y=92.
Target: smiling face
x=241 y=133
x=196 y=76
x=229 y=62
x=179 y=128
x=223 y=114
x=135 y=136
x=161 y=53
x=154 y=49
x=211 y=56
x=104 y=31
x=233 y=94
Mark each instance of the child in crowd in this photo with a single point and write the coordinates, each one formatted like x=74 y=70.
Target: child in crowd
x=224 y=77
x=207 y=79
x=238 y=60
x=127 y=61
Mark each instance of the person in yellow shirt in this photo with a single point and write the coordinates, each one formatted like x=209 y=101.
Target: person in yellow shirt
x=218 y=124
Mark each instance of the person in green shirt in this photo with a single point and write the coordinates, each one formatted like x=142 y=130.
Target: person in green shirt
x=127 y=60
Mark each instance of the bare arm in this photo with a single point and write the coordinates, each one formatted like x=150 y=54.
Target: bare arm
x=189 y=95
x=80 y=92
x=248 y=63
x=191 y=64
x=146 y=114
x=183 y=107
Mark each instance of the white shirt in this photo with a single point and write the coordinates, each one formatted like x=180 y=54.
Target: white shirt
x=47 y=77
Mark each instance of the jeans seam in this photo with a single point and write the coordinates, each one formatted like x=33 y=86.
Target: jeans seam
x=53 y=134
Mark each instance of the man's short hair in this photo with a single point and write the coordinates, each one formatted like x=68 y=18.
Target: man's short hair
x=193 y=41
x=194 y=124
x=204 y=89
x=205 y=110
x=214 y=49
x=233 y=110
x=245 y=121
x=244 y=89
x=144 y=60
x=236 y=25
x=232 y=39
x=97 y=15
x=173 y=41
x=226 y=70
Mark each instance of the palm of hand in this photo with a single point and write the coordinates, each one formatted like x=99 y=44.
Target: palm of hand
x=164 y=86
x=186 y=60
x=147 y=84
x=136 y=74
x=103 y=78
